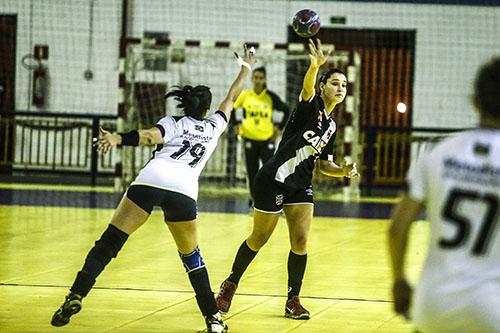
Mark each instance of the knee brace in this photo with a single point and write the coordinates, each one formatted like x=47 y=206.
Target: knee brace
x=106 y=248
x=192 y=261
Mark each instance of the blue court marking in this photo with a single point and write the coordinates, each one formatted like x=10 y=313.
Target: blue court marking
x=222 y=204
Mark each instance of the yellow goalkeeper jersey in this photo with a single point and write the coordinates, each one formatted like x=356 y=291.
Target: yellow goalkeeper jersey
x=257 y=121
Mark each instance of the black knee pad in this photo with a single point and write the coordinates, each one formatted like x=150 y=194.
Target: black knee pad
x=108 y=246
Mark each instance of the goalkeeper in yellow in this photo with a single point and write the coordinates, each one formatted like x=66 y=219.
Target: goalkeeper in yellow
x=258 y=128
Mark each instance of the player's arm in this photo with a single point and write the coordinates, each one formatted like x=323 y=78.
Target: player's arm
x=331 y=169
x=316 y=58
x=403 y=216
x=108 y=140
x=239 y=83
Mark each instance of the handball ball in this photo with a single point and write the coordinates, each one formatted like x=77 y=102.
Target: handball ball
x=306 y=23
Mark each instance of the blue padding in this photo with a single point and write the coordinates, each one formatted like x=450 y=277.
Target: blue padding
x=192 y=261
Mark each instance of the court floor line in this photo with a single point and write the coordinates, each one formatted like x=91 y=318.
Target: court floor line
x=394 y=315
x=148 y=315
x=110 y=189
x=312 y=315
x=233 y=314
x=191 y=292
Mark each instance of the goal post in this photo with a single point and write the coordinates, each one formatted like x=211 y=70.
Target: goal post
x=152 y=67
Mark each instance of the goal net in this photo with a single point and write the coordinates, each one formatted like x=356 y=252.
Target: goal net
x=151 y=70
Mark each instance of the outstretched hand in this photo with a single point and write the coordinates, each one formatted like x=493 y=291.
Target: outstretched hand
x=402 y=292
x=248 y=55
x=316 y=55
x=106 y=141
x=350 y=170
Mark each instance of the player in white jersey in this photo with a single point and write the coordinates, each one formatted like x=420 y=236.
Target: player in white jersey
x=458 y=183
x=169 y=180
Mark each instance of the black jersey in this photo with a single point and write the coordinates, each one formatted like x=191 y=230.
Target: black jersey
x=309 y=135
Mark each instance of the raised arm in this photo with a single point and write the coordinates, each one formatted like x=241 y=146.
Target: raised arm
x=108 y=140
x=317 y=58
x=239 y=83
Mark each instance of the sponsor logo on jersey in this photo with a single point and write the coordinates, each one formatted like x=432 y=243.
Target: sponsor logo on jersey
x=309 y=191
x=279 y=199
x=481 y=148
x=195 y=137
x=198 y=128
x=316 y=141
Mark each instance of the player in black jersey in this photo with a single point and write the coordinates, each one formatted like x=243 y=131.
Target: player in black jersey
x=284 y=182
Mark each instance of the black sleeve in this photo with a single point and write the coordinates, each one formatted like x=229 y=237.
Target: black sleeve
x=232 y=119
x=278 y=104
x=162 y=130
x=222 y=114
x=329 y=149
x=303 y=112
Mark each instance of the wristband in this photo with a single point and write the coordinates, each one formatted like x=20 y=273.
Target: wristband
x=130 y=139
x=243 y=63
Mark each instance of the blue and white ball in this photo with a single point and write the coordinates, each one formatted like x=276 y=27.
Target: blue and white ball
x=306 y=23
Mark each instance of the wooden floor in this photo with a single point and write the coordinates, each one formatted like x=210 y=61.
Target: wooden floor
x=346 y=286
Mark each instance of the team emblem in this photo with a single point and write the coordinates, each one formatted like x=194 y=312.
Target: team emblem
x=279 y=199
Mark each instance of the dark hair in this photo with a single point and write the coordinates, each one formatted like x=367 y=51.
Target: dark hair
x=487 y=89
x=194 y=101
x=260 y=69
x=326 y=75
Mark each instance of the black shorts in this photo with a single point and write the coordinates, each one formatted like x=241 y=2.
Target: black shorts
x=176 y=206
x=271 y=195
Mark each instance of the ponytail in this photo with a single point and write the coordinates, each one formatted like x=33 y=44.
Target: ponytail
x=194 y=101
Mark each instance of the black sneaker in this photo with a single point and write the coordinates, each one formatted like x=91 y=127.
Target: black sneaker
x=72 y=305
x=215 y=324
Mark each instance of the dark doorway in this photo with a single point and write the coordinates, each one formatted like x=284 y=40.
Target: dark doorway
x=8 y=28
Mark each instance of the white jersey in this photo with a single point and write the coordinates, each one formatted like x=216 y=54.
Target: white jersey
x=188 y=143
x=459 y=182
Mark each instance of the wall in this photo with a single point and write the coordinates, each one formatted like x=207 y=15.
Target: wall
x=64 y=27
x=452 y=41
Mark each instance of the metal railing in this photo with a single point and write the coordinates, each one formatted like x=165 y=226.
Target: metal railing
x=62 y=143
x=388 y=152
x=54 y=142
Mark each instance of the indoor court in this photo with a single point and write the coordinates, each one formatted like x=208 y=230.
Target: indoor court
x=158 y=84
x=145 y=289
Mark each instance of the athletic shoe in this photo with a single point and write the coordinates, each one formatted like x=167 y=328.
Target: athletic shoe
x=72 y=305
x=225 y=296
x=295 y=310
x=215 y=324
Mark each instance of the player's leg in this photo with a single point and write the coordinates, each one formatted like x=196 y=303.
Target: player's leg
x=180 y=216
x=252 y=164
x=268 y=205
x=299 y=219
x=133 y=210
